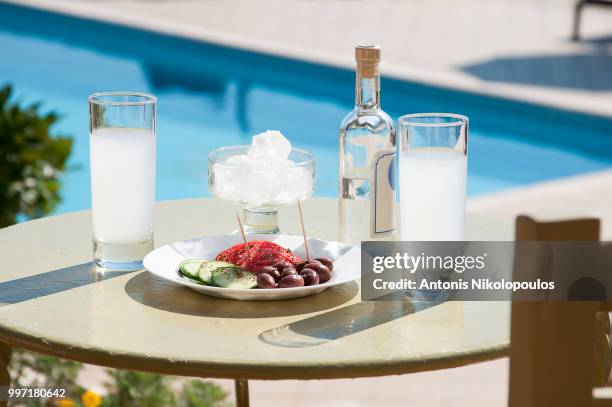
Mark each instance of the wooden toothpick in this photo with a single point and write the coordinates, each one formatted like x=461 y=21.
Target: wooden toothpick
x=246 y=244
x=303 y=230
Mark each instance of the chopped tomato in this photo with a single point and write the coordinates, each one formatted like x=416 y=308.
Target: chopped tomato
x=260 y=253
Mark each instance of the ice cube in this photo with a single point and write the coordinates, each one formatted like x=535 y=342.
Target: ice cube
x=269 y=147
x=229 y=181
x=299 y=183
x=264 y=175
x=265 y=185
x=238 y=159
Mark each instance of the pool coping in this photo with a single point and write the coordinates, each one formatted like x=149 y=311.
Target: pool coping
x=555 y=98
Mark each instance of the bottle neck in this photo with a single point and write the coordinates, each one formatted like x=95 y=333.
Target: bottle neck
x=367 y=88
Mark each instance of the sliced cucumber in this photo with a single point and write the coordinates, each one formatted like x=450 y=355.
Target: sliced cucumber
x=206 y=269
x=189 y=268
x=233 y=277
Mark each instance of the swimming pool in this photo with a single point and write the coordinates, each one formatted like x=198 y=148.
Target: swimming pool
x=209 y=96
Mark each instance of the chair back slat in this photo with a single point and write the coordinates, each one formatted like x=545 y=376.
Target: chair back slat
x=552 y=341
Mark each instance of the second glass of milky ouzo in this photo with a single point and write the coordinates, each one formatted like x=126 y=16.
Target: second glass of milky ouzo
x=122 y=161
x=433 y=176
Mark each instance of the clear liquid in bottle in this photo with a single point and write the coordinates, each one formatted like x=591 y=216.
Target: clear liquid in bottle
x=367 y=152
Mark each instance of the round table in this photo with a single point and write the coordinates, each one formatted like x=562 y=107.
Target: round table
x=54 y=302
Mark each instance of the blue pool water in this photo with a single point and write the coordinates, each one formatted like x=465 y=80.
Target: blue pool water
x=210 y=96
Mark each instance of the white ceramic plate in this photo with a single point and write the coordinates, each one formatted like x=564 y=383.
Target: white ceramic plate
x=164 y=263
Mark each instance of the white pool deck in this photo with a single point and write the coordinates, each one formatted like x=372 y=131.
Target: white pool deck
x=518 y=49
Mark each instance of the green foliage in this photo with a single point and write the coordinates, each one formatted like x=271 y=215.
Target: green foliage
x=50 y=372
x=202 y=394
x=124 y=388
x=129 y=389
x=30 y=160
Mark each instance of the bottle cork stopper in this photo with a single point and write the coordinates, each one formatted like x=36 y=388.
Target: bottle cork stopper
x=367 y=53
x=367 y=57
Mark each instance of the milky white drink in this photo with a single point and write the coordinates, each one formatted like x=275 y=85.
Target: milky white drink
x=432 y=194
x=122 y=186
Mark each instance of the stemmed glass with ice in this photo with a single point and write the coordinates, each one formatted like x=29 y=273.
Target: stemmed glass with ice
x=261 y=177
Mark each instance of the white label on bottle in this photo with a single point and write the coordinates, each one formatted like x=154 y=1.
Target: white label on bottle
x=382 y=201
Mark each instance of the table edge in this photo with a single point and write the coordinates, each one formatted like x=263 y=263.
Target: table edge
x=251 y=371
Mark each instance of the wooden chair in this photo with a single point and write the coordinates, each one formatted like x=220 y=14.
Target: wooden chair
x=559 y=350
x=578 y=14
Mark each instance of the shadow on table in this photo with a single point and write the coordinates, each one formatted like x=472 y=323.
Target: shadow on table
x=341 y=323
x=161 y=294
x=52 y=282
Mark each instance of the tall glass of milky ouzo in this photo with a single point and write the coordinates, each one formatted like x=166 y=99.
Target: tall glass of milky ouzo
x=367 y=151
x=433 y=159
x=122 y=161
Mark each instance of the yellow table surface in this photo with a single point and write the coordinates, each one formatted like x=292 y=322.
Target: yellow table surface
x=53 y=302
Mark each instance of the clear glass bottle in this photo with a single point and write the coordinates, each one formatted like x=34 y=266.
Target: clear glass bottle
x=367 y=152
